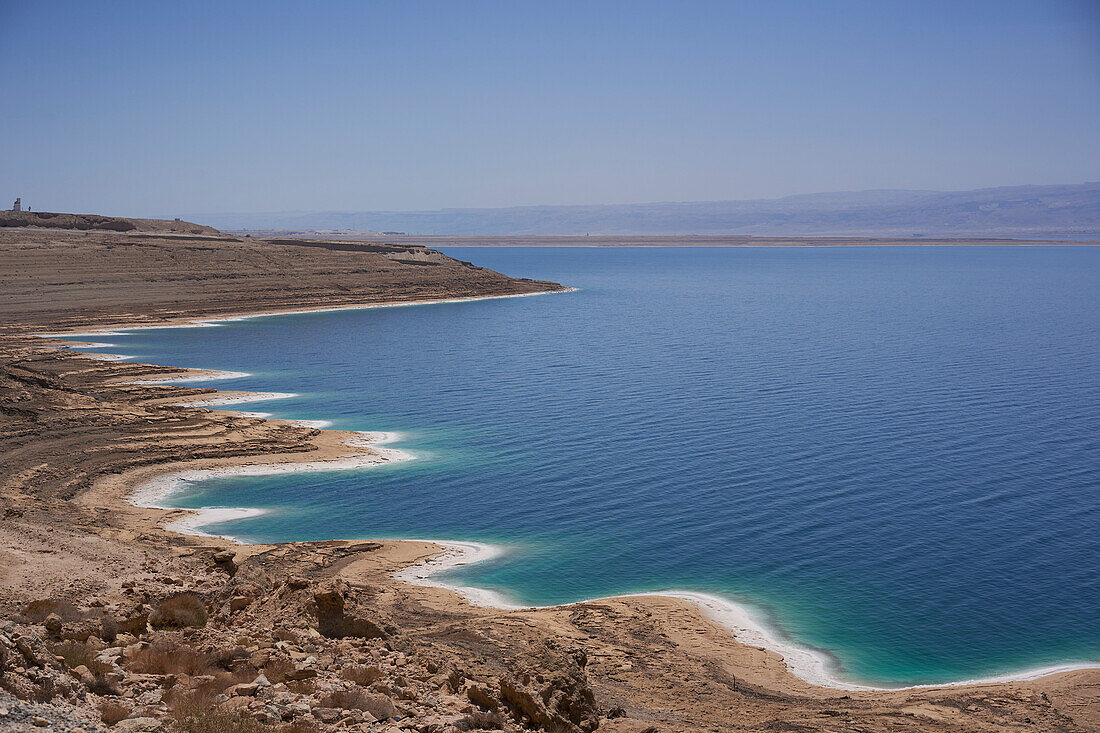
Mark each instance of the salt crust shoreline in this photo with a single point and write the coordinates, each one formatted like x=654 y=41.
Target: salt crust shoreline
x=120 y=330
x=809 y=665
x=153 y=493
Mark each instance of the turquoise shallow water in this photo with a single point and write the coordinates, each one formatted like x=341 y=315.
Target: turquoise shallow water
x=890 y=453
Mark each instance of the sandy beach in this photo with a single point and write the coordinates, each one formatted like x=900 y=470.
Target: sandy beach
x=94 y=445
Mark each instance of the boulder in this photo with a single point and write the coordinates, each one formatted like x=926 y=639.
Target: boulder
x=133 y=620
x=327 y=715
x=227 y=561
x=53 y=625
x=247 y=689
x=336 y=620
x=83 y=674
x=481 y=697
x=547 y=688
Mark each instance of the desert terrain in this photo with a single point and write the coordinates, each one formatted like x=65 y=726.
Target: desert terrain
x=111 y=621
x=629 y=240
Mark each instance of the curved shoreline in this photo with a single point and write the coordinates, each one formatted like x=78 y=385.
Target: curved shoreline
x=121 y=329
x=806 y=664
x=152 y=493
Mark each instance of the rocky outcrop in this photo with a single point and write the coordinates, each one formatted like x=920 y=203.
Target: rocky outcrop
x=337 y=618
x=547 y=688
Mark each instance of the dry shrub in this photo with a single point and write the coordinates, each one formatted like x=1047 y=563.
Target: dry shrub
x=180 y=611
x=224 y=680
x=37 y=611
x=301 y=687
x=108 y=629
x=76 y=653
x=345 y=700
x=112 y=712
x=361 y=675
x=481 y=720
x=276 y=670
x=165 y=656
x=229 y=659
x=102 y=686
x=198 y=713
x=299 y=726
x=380 y=706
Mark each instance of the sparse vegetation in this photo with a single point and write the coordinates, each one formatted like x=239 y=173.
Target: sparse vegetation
x=75 y=654
x=276 y=670
x=101 y=685
x=165 y=656
x=37 y=611
x=361 y=675
x=197 y=712
x=482 y=720
x=180 y=611
x=380 y=706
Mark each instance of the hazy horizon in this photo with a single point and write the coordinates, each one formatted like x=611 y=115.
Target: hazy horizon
x=137 y=109
x=1045 y=212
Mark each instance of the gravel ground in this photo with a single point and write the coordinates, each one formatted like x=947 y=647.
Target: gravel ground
x=16 y=715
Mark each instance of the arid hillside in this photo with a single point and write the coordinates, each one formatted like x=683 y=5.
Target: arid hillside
x=61 y=277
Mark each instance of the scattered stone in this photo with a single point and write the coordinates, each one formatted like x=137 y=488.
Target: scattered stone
x=247 y=689
x=83 y=674
x=53 y=624
x=139 y=725
x=301 y=673
x=134 y=620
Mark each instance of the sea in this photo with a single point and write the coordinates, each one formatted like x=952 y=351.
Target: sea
x=887 y=455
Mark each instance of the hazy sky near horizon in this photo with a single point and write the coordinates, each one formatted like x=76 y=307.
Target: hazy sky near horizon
x=151 y=108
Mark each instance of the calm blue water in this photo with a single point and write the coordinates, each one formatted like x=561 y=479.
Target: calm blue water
x=894 y=453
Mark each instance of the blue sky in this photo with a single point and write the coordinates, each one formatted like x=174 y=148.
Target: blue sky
x=156 y=108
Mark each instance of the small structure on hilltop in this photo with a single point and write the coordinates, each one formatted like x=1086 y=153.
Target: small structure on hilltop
x=18 y=205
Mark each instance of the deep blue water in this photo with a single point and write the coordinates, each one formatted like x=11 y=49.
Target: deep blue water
x=894 y=453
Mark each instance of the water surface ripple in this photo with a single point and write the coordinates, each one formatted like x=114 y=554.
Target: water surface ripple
x=892 y=453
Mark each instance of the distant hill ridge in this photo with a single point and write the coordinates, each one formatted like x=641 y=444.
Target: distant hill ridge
x=1057 y=212
x=54 y=220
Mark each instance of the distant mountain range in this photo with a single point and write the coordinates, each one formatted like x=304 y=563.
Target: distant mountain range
x=1050 y=212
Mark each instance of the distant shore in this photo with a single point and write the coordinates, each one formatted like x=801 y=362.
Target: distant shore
x=676 y=240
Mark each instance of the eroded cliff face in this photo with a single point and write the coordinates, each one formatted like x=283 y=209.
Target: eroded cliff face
x=60 y=278
x=87 y=222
